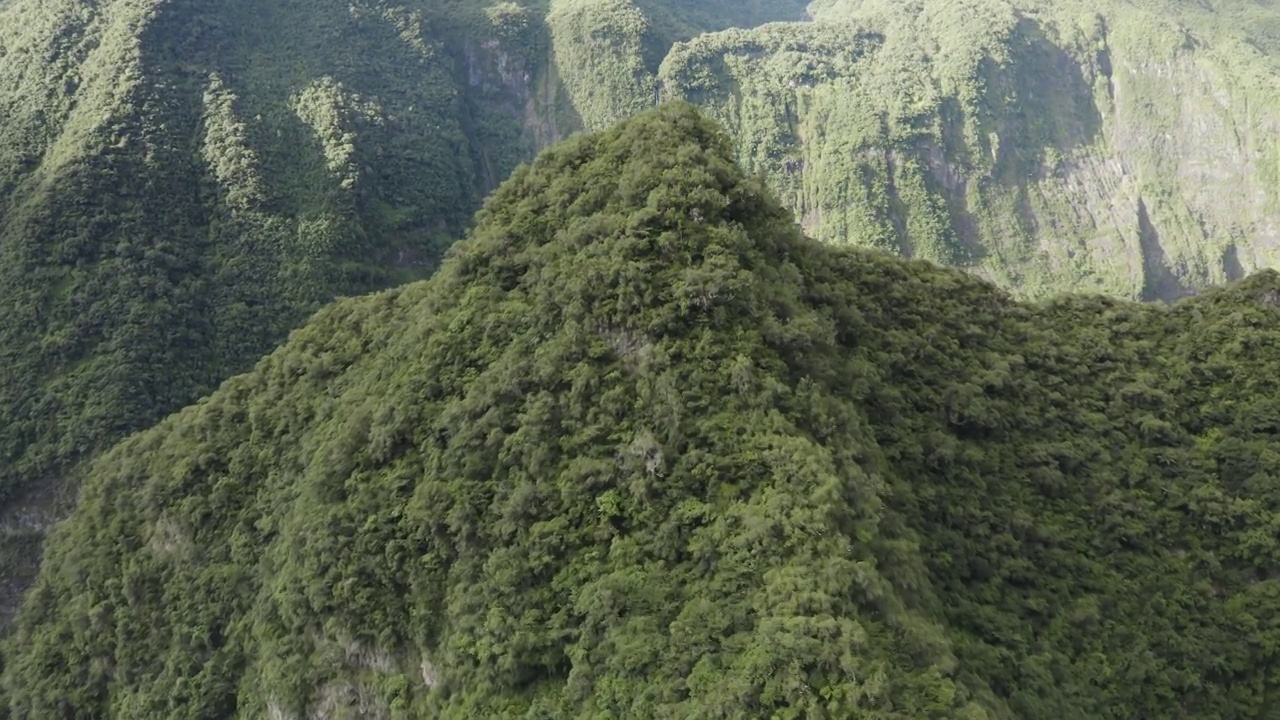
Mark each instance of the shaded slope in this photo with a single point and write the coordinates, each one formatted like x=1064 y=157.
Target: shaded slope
x=183 y=182
x=641 y=449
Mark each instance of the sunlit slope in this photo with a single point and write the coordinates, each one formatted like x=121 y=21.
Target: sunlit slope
x=1050 y=146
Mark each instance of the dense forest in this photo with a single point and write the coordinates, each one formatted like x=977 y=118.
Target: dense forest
x=182 y=183
x=637 y=445
x=641 y=449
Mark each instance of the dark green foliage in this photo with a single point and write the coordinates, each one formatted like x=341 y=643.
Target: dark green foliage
x=183 y=182
x=201 y=180
x=639 y=449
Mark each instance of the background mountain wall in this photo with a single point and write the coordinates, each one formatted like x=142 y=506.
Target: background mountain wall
x=1049 y=147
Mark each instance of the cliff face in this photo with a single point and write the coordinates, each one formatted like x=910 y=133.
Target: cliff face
x=1047 y=146
x=609 y=51
x=1047 y=151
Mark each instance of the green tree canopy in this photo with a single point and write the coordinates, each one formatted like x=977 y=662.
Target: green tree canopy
x=640 y=449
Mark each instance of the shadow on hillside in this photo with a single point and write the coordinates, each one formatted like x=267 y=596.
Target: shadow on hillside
x=1231 y=263
x=1035 y=111
x=1160 y=282
x=1052 y=106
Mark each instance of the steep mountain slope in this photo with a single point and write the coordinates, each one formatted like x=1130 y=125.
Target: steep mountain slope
x=183 y=182
x=639 y=449
x=608 y=51
x=1049 y=145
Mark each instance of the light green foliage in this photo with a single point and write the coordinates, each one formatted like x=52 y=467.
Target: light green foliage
x=917 y=128
x=512 y=23
x=1048 y=145
x=608 y=51
x=600 y=49
x=335 y=116
x=226 y=150
x=639 y=449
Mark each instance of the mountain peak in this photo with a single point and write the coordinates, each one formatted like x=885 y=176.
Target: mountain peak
x=641 y=449
x=646 y=224
x=585 y=454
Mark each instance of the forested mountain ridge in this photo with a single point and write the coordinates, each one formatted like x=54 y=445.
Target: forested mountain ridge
x=183 y=182
x=640 y=449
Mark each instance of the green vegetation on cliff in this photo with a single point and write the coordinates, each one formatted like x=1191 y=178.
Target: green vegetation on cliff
x=640 y=449
x=180 y=186
x=183 y=182
x=1048 y=145
x=608 y=51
